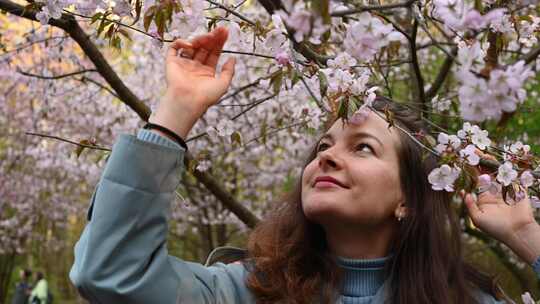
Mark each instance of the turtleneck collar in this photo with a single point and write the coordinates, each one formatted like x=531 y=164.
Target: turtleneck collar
x=362 y=277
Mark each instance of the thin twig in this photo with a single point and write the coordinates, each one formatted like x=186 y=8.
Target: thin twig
x=295 y=66
x=365 y=8
x=69 y=141
x=223 y=7
x=104 y=87
x=25 y=45
x=253 y=105
x=56 y=77
x=406 y=132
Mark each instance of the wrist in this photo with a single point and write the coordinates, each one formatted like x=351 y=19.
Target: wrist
x=176 y=115
x=526 y=242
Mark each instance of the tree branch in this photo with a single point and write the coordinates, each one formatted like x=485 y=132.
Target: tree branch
x=531 y=56
x=70 y=25
x=366 y=8
x=442 y=75
x=416 y=67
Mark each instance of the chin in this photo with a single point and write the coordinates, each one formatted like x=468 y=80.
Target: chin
x=318 y=210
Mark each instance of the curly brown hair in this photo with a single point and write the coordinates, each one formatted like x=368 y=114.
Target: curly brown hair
x=291 y=263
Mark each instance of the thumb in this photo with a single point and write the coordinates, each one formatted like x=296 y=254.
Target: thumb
x=227 y=71
x=470 y=202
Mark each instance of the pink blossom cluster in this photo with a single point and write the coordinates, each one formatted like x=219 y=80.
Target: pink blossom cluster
x=482 y=99
x=306 y=23
x=460 y=15
x=457 y=151
x=367 y=36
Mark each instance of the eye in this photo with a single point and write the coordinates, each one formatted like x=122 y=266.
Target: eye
x=363 y=147
x=322 y=146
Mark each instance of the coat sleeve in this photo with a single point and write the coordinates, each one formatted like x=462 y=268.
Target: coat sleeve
x=485 y=298
x=121 y=256
x=536 y=267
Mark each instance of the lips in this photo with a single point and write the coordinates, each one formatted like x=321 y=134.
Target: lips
x=330 y=180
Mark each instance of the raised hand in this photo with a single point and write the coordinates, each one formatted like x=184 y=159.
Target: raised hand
x=513 y=224
x=191 y=68
x=192 y=83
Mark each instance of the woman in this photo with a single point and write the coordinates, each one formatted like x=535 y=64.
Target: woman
x=363 y=225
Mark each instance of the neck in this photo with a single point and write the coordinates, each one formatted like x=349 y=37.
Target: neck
x=360 y=242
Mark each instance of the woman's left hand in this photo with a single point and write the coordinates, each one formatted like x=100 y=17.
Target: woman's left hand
x=513 y=224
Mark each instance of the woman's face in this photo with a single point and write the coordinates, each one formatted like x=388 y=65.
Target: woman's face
x=363 y=160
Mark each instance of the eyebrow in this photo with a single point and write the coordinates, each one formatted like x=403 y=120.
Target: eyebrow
x=354 y=136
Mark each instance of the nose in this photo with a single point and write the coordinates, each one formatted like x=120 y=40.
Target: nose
x=328 y=159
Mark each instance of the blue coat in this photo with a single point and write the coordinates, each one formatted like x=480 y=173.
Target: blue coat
x=122 y=255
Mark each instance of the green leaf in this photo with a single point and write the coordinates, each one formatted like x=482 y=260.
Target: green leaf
x=263 y=132
x=79 y=149
x=96 y=17
x=138 y=9
x=295 y=77
x=236 y=139
x=102 y=26
x=124 y=33
x=323 y=8
x=354 y=104
x=149 y=16
x=323 y=83
x=159 y=20
x=117 y=42
x=343 y=108
x=110 y=32
x=276 y=81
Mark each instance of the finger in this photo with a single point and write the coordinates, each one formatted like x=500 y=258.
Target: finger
x=200 y=55
x=489 y=198
x=221 y=34
x=177 y=45
x=202 y=45
x=472 y=207
x=227 y=72
x=203 y=41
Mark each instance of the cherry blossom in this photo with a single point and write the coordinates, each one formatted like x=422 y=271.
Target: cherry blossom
x=526 y=179
x=506 y=174
x=469 y=154
x=367 y=36
x=443 y=178
x=446 y=142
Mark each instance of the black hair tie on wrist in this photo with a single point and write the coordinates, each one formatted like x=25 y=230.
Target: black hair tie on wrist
x=170 y=133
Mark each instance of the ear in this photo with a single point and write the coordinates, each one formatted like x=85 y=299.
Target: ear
x=401 y=210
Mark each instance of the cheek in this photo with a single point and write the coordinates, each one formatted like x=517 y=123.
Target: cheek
x=308 y=173
x=378 y=185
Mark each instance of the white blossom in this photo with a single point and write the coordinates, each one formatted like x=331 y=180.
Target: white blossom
x=526 y=179
x=447 y=142
x=469 y=154
x=443 y=178
x=506 y=174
